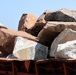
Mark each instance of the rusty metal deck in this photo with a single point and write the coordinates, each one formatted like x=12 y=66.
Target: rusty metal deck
x=50 y=66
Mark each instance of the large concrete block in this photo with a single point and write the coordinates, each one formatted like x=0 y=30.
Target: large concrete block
x=52 y=30
x=65 y=36
x=29 y=50
x=7 y=37
x=63 y=15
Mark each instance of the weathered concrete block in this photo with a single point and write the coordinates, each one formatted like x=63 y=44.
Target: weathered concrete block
x=53 y=29
x=29 y=50
x=7 y=37
x=67 y=50
x=63 y=37
x=63 y=15
x=26 y=22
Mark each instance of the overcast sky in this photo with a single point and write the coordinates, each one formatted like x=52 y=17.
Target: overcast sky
x=12 y=10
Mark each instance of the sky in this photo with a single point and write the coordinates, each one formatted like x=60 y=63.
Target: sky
x=12 y=10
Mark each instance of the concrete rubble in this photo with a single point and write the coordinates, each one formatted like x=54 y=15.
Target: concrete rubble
x=42 y=32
